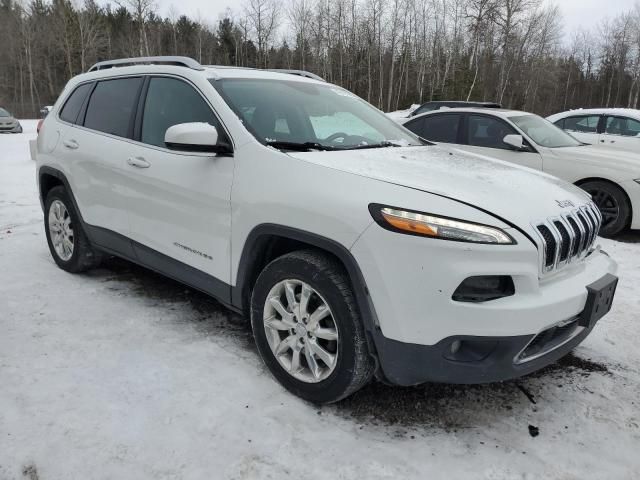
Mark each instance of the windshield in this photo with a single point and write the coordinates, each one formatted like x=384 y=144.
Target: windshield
x=543 y=132
x=290 y=113
x=4 y=113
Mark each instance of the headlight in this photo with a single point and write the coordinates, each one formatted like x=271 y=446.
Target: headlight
x=427 y=225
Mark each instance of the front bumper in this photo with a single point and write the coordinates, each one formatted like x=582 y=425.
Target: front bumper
x=411 y=287
x=473 y=360
x=17 y=128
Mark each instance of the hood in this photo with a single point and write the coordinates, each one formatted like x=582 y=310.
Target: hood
x=517 y=194
x=621 y=165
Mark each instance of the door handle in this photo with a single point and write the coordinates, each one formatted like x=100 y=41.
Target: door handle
x=72 y=144
x=138 y=162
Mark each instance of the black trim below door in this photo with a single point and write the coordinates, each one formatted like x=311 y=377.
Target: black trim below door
x=121 y=246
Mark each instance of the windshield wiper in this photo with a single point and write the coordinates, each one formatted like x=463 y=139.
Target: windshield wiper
x=384 y=144
x=298 y=146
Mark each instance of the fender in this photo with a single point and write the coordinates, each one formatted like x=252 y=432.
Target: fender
x=251 y=252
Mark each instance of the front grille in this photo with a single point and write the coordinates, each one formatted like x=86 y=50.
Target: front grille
x=568 y=237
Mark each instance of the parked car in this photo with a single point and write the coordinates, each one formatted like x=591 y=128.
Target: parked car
x=613 y=128
x=611 y=177
x=8 y=123
x=355 y=247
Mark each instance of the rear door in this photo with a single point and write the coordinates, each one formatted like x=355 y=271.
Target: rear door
x=484 y=134
x=180 y=201
x=95 y=144
x=621 y=133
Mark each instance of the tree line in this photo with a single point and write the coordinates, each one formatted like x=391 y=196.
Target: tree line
x=390 y=52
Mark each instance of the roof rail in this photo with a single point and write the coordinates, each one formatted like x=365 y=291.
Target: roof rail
x=168 y=60
x=301 y=73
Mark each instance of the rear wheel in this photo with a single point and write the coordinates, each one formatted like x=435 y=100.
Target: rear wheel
x=307 y=327
x=69 y=246
x=613 y=205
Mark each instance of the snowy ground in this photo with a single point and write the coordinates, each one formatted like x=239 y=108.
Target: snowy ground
x=123 y=374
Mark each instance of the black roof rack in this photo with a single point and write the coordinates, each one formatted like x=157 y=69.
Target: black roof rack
x=168 y=60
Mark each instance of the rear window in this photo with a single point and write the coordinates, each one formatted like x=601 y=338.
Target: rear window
x=74 y=103
x=111 y=105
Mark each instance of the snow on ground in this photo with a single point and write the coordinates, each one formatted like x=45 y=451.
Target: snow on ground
x=120 y=373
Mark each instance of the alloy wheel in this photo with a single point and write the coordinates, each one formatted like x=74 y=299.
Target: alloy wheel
x=608 y=206
x=301 y=331
x=61 y=230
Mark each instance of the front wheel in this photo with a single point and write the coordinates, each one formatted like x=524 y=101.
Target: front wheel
x=613 y=205
x=307 y=327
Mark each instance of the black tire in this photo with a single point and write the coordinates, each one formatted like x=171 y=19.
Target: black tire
x=613 y=204
x=354 y=366
x=84 y=256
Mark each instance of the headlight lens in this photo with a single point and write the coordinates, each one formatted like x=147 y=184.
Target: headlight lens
x=427 y=225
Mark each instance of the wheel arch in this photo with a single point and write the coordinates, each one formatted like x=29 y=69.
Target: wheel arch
x=269 y=241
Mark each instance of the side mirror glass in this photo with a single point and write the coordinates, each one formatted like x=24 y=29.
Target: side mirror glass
x=515 y=141
x=195 y=137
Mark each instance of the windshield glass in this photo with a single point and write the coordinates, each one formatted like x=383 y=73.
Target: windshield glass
x=543 y=132
x=4 y=113
x=277 y=111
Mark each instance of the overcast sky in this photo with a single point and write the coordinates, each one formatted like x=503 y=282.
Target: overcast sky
x=576 y=13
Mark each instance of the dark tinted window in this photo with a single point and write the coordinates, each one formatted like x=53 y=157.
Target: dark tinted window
x=111 y=105
x=584 y=124
x=170 y=102
x=441 y=128
x=488 y=132
x=74 y=103
x=559 y=123
x=627 y=127
x=416 y=126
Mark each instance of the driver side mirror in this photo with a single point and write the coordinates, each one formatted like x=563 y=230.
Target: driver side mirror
x=195 y=137
x=515 y=141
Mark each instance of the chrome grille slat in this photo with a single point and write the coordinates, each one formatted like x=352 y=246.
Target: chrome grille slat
x=567 y=237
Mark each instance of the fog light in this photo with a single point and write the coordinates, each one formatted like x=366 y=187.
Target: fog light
x=455 y=346
x=484 y=289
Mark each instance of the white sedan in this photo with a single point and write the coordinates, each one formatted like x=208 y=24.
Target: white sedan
x=612 y=177
x=617 y=128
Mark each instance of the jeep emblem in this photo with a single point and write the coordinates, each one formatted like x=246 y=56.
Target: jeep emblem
x=565 y=203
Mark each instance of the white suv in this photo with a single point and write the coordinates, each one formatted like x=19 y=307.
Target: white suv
x=355 y=247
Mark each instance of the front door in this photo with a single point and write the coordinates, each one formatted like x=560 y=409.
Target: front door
x=179 y=201
x=485 y=135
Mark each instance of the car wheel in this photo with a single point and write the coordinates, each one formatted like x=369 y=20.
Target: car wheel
x=308 y=329
x=69 y=245
x=613 y=204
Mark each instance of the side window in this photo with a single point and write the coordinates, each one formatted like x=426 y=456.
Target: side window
x=111 y=105
x=441 y=128
x=627 y=127
x=582 y=124
x=69 y=112
x=489 y=132
x=169 y=102
x=560 y=124
x=416 y=126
